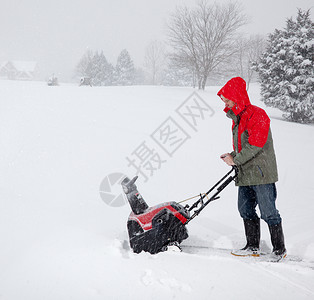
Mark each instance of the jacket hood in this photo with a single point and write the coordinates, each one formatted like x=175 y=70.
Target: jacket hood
x=235 y=90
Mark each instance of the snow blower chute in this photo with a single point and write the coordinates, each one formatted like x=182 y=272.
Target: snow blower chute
x=152 y=229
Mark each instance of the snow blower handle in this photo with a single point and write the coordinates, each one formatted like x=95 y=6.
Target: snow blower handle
x=229 y=179
x=222 y=183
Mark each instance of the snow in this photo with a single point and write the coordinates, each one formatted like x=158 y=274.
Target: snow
x=306 y=62
x=59 y=240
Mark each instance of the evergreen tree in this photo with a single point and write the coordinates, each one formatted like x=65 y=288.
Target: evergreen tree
x=286 y=69
x=95 y=66
x=85 y=65
x=124 y=72
x=96 y=69
x=103 y=70
x=179 y=72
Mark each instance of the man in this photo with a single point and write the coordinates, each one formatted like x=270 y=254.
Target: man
x=255 y=158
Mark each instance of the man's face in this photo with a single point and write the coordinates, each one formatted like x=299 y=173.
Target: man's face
x=228 y=102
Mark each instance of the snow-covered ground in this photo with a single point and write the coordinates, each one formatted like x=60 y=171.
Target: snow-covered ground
x=60 y=240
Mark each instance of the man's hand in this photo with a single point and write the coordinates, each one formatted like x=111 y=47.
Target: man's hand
x=228 y=159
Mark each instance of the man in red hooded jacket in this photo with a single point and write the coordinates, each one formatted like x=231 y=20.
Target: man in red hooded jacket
x=253 y=153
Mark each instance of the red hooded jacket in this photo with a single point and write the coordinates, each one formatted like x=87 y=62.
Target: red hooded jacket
x=252 y=118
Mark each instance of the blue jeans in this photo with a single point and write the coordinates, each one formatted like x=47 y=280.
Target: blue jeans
x=264 y=196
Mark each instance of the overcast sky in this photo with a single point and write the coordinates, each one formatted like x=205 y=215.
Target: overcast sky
x=57 y=33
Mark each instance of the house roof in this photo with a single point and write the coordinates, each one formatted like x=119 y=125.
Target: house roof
x=18 y=69
x=25 y=66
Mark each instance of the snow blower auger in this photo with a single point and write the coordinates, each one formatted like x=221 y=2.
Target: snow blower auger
x=153 y=229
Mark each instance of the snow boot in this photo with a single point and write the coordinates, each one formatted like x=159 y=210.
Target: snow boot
x=253 y=235
x=277 y=239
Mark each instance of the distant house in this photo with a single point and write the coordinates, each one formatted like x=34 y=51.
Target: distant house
x=18 y=70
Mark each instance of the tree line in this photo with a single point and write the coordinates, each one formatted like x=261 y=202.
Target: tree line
x=94 y=65
x=205 y=46
x=201 y=42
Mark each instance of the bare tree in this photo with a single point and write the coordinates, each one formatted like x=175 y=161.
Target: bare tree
x=203 y=37
x=248 y=51
x=257 y=46
x=155 y=59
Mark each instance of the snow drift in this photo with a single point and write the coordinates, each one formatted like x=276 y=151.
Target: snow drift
x=59 y=240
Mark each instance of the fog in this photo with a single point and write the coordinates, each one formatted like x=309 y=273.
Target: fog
x=57 y=33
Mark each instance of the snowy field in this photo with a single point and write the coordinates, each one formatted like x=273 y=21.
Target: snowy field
x=60 y=240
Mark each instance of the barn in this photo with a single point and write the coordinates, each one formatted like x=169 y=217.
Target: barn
x=18 y=70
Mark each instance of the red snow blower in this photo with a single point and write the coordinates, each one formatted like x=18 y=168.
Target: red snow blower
x=153 y=229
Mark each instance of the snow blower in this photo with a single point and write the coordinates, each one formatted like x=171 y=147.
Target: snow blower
x=154 y=229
